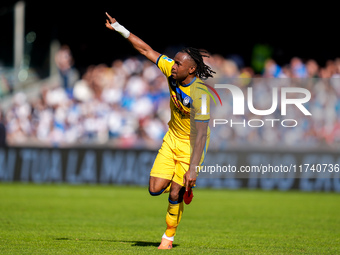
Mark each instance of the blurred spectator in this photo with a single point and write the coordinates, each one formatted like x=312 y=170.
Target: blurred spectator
x=312 y=69
x=287 y=72
x=298 y=68
x=64 y=62
x=272 y=70
x=229 y=69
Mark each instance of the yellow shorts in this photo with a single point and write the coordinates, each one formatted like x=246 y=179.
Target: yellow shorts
x=173 y=159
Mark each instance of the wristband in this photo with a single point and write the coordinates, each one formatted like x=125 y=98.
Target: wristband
x=120 y=29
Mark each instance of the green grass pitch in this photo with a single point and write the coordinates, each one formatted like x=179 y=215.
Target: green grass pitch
x=62 y=219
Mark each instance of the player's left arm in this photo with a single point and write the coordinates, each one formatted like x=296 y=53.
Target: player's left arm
x=199 y=143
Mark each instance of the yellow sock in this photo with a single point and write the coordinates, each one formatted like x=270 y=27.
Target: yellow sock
x=173 y=217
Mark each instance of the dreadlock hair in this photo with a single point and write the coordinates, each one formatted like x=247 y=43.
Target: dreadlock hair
x=203 y=71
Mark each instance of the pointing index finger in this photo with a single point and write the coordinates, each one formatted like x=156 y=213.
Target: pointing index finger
x=108 y=16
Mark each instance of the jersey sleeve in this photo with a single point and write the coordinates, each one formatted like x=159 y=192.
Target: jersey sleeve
x=165 y=64
x=201 y=105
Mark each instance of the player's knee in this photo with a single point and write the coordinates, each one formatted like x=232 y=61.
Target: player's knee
x=173 y=196
x=176 y=195
x=154 y=192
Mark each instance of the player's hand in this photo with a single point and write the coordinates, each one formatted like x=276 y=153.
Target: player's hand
x=189 y=178
x=109 y=22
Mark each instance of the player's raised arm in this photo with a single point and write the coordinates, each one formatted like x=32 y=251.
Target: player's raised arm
x=136 y=42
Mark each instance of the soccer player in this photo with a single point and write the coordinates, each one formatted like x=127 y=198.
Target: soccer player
x=185 y=144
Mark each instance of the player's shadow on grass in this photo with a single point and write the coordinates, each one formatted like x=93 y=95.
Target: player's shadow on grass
x=133 y=243
x=137 y=243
